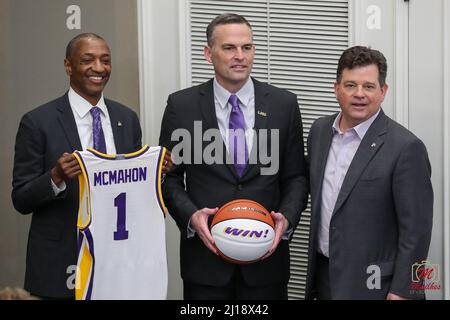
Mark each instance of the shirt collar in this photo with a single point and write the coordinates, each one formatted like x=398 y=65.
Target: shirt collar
x=245 y=94
x=360 y=129
x=82 y=106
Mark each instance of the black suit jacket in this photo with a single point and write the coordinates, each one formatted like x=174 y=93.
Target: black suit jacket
x=44 y=134
x=214 y=185
x=383 y=214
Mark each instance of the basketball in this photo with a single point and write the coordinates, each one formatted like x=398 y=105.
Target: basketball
x=243 y=231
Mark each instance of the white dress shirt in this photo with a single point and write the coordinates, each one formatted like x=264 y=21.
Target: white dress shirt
x=83 y=119
x=223 y=108
x=342 y=151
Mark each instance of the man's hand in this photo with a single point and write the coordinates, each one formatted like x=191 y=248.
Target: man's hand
x=281 y=225
x=392 y=296
x=199 y=222
x=66 y=168
x=167 y=162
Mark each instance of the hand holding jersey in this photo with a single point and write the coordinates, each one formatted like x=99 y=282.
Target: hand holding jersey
x=122 y=250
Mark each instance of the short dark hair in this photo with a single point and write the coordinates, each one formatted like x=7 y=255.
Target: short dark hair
x=71 y=45
x=360 y=56
x=226 y=18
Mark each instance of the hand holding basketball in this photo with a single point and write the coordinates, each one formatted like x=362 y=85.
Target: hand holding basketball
x=281 y=225
x=199 y=222
x=243 y=230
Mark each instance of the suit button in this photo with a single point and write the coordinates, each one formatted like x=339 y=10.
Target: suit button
x=240 y=187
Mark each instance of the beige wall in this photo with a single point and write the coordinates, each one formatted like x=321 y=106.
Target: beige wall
x=33 y=37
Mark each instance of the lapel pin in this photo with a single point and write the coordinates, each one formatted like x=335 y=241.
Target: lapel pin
x=373 y=145
x=263 y=114
x=119 y=124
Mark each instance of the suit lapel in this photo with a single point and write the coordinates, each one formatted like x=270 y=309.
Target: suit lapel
x=262 y=113
x=325 y=137
x=324 y=149
x=208 y=110
x=207 y=106
x=68 y=123
x=371 y=143
x=261 y=106
x=117 y=127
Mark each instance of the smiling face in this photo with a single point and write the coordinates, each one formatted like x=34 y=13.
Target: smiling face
x=359 y=94
x=89 y=68
x=232 y=52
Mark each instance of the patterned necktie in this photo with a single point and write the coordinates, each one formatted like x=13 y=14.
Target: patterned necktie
x=97 y=130
x=238 y=145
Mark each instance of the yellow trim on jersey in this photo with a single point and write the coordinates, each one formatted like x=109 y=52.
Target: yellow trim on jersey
x=84 y=187
x=160 y=165
x=113 y=156
x=105 y=155
x=137 y=153
x=83 y=273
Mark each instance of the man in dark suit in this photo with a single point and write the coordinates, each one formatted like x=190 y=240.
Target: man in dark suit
x=44 y=166
x=371 y=193
x=194 y=190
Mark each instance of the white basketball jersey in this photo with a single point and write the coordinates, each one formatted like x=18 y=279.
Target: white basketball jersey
x=121 y=238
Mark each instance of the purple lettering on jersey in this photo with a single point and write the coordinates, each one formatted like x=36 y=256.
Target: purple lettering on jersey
x=128 y=175
x=143 y=174
x=120 y=178
x=113 y=177
x=105 y=178
x=97 y=178
x=120 y=203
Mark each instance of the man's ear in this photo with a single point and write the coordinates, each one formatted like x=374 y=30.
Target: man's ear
x=68 y=67
x=207 y=53
x=384 y=89
x=336 y=88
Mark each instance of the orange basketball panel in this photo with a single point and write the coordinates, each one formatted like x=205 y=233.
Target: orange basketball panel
x=243 y=209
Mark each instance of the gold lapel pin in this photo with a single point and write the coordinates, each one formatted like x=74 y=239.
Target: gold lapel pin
x=263 y=114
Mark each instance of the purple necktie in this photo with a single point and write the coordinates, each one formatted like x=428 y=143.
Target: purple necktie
x=97 y=130
x=238 y=145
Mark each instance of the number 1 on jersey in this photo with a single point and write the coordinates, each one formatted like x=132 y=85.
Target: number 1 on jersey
x=120 y=203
